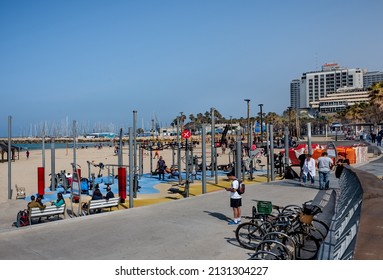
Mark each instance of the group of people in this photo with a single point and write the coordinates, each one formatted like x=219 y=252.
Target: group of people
x=97 y=195
x=38 y=202
x=324 y=164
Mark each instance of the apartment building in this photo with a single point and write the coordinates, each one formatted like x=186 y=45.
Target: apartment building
x=332 y=89
x=370 y=78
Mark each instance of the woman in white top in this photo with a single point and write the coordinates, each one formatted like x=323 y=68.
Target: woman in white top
x=308 y=169
x=235 y=199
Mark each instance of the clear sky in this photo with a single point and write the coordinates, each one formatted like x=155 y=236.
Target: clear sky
x=97 y=61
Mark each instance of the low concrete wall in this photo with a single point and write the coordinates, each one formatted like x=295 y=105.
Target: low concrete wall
x=369 y=239
x=356 y=230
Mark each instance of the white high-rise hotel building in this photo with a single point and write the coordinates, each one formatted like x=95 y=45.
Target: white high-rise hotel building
x=331 y=89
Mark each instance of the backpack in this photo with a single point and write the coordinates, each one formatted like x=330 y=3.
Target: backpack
x=241 y=188
x=22 y=219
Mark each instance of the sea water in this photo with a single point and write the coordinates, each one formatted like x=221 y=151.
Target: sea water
x=39 y=146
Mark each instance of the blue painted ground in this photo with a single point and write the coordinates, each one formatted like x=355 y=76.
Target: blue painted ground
x=146 y=185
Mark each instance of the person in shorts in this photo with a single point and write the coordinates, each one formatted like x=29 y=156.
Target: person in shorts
x=235 y=200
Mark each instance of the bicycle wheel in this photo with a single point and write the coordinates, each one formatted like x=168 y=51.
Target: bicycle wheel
x=292 y=208
x=276 y=247
x=306 y=245
x=320 y=229
x=264 y=255
x=249 y=235
x=286 y=240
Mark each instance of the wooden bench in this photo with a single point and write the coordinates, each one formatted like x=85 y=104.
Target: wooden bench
x=100 y=204
x=48 y=211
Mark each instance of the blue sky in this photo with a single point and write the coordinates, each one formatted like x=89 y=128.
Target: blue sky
x=97 y=61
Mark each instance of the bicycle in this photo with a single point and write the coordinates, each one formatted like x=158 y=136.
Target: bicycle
x=304 y=234
x=315 y=227
x=293 y=227
x=249 y=234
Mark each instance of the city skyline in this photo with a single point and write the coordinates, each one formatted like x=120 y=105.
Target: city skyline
x=97 y=61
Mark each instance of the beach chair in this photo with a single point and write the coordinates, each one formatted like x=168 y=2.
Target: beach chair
x=20 y=192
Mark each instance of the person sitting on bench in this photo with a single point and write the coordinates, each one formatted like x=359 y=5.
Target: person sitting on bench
x=36 y=203
x=109 y=193
x=60 y=200
x=172 y=171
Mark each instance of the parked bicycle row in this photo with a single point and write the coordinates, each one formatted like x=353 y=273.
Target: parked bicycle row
x=282 y=233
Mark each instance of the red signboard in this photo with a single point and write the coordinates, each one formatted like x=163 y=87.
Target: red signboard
x=186 y=134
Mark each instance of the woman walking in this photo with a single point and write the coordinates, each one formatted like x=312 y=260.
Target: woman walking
x=308 y=170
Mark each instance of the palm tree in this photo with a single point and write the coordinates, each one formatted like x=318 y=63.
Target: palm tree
x=355 y=113
x=200 y=118
x=276 y=121
x=374 y=112
x=377 y=95
x=207 y=118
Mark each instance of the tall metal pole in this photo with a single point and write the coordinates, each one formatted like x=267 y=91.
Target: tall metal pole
x=287 y=160
x=140 y=161
x=297 y=124
x=290 y=130
x=120 y=158
x=238 y=158
x=310 y=149
x=135 y=166
x=75 y=167
x=9 y=157
x=248 y=122
x=74 y=146
x=151 y=159
x=203 y=158
x=43 y=151
x=212 y=134
x=272 y=152
x=215 y=165
x=135 y=142
x=260 y=108
x=268 y=152
x=187 y=167
x=179 y=152
x=214 y=149
x=53 y=165
x=130 y=168
x=251 y=165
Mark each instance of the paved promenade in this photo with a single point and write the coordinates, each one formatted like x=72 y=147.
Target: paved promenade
x=191 y=228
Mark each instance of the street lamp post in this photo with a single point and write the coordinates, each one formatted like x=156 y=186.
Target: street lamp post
x=297 y=124
x=290 y=132
x=248 y=122
x=260 y=109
